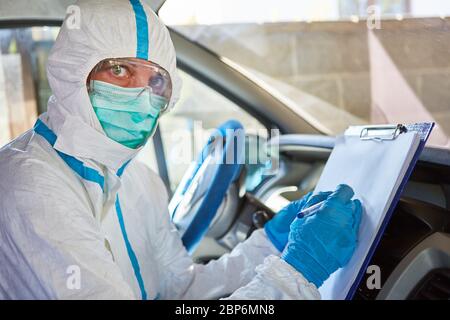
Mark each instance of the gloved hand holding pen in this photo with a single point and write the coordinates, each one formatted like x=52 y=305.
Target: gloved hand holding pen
x=321 y=243
x=277 y=229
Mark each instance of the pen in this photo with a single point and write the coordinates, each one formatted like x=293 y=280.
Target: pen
x=309 y=211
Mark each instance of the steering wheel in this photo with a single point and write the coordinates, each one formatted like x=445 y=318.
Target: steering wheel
x=205 y=184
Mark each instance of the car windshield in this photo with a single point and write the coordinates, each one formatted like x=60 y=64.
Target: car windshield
x=335 y=62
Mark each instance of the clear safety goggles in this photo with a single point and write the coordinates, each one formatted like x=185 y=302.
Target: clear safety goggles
x=134 y=73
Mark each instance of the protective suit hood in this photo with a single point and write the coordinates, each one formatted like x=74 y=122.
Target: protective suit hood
x=102 y=29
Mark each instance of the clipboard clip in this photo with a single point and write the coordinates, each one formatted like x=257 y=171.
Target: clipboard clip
x=382 y=133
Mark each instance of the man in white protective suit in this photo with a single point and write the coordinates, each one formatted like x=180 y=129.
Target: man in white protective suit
x=74 y=200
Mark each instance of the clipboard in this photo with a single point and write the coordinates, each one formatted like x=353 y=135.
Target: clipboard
x=424 y=131
x=384 y=143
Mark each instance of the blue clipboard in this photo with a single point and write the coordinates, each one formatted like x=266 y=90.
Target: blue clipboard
x=424 y=131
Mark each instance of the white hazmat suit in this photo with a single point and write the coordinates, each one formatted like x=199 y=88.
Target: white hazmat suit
x=80 y=219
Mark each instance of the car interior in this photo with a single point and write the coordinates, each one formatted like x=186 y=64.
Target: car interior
x=414 y=251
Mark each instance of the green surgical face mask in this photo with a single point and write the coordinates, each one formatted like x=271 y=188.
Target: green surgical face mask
x=128 y=116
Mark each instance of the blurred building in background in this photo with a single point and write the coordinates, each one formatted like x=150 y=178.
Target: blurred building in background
x=394 y=70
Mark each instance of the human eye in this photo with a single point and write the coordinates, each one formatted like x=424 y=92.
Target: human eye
x=119 y=71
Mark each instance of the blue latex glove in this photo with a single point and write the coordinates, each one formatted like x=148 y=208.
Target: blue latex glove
x=277 y=229
x=320 y=244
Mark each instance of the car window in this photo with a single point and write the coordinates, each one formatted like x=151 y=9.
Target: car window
x=334 y=62
x=186 y=128
x=24 y=89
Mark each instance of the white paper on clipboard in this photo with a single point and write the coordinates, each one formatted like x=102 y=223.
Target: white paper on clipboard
x=374 y=169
